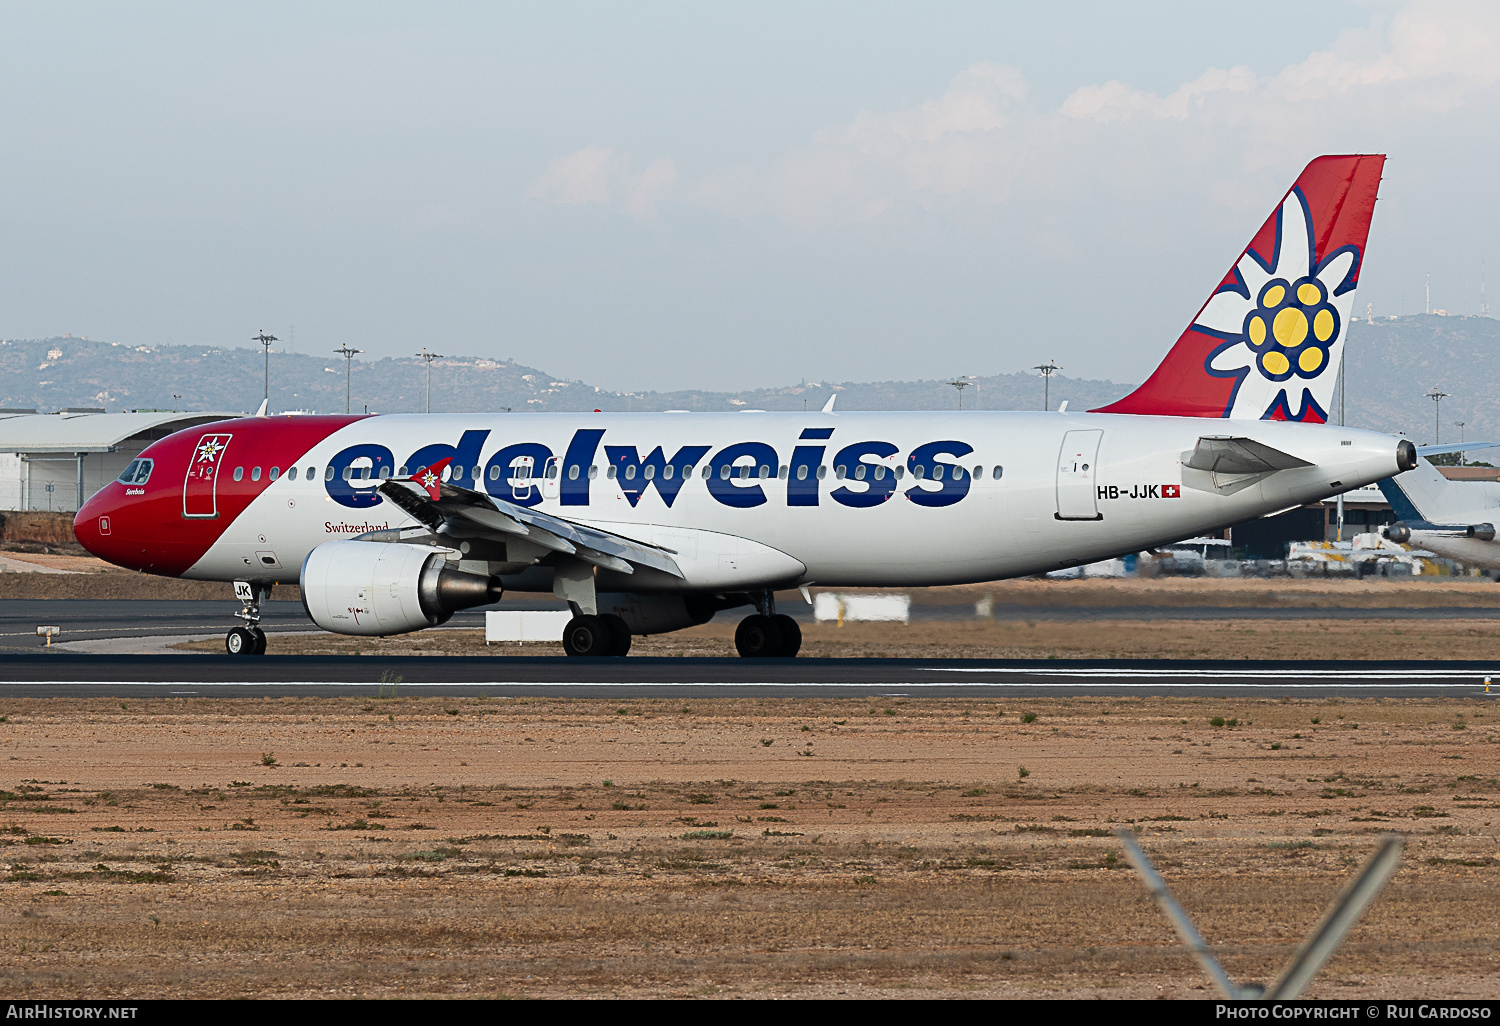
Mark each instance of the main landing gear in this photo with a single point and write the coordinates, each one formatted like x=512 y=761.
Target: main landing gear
x=249 y=639
x=767 y=634
x=597 y=636
x=764 y=634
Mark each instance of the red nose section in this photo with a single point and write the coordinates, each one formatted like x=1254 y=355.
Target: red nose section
x=165 y=524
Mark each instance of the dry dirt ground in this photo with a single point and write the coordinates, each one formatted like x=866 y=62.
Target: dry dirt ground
x=401 y=846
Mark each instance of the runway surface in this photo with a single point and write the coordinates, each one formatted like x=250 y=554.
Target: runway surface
x=58 y=674
x=87 y=620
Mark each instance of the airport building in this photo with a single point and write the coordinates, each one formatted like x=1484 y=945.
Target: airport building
x=57 y=460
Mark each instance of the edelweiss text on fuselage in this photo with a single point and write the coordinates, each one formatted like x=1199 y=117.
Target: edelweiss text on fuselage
x=517 y=472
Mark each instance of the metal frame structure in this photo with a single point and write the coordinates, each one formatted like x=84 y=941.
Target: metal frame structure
x=1314 y=952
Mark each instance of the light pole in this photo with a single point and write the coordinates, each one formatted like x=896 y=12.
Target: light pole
x=1048 y=369
x=348 y=355
x=174 y=402
x=429 y=357
x=1437 y=398
x=1460 y=425
x=960 y=384
x=266 y=341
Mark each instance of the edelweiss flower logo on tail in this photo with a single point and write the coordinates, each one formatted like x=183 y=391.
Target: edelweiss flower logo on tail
x=1282 y=322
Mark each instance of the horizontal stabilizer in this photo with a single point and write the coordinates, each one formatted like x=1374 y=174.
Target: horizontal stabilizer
x=1221 y=454
x=1439 y=450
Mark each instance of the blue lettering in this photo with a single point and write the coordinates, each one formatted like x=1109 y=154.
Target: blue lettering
x=802 y=472
x=575 y=467
x=802 y=475
x=724 y=476
x=877 y=490
x=505 y=480
x=953 y=482
x=357 y=490
x=635 y=474
x=465 y=457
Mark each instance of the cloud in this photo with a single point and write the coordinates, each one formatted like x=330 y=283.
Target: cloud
x=601 y=175
x=983 y=143
x=1116 y=101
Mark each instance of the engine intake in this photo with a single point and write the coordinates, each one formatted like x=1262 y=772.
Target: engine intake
x=378 y=588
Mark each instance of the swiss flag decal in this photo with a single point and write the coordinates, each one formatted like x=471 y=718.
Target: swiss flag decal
x=1171 y=491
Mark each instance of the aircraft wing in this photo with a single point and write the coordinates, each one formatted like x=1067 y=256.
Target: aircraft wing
x=441 y=506
x=1225 y=454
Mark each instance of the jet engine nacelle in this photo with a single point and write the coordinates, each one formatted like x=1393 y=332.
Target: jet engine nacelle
x=381 y=588
x=1402 y=533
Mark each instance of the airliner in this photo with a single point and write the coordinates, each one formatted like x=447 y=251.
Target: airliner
x=651 y=523
x=1454 y=519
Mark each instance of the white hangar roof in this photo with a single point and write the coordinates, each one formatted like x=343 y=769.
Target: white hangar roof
x=77 y=431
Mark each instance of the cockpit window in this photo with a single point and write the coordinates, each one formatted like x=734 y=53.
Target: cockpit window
x=137 y=473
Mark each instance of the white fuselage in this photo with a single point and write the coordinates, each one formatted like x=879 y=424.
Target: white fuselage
x=1074 y=487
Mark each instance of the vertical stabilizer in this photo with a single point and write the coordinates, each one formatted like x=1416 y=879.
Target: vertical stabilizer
x=1424 y=495
x=1268 y=342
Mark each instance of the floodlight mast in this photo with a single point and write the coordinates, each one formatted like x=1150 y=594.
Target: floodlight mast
x=1437 y=398
x=960 y=384
x=348 y=355
x=266 y=341
x=429 y=357
x=1048 y=369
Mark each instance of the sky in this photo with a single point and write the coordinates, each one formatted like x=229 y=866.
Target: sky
x=719 y=196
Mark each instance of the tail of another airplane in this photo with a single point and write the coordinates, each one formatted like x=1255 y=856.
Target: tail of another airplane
x=1267 y=344
x=1425 y=496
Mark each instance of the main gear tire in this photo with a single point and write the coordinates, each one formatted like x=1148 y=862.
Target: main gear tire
x=589 y=637
x=758 y=637
x=621 y=631
x=791 y=635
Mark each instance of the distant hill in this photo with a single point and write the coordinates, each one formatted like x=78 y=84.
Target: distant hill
x=56 y=373
x=1392 y=363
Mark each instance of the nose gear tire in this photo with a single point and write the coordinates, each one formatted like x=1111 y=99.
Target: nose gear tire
x=239 y=641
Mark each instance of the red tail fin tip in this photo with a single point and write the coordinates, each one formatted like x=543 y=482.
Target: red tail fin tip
x=1267 y=343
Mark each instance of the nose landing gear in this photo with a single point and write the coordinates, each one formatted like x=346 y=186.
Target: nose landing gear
x=249 y=639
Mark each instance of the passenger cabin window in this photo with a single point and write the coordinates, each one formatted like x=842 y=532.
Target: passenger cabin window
x=291 y=473
x=275 y=473
x=999 y=473
x=239 y=473
x=255 y=474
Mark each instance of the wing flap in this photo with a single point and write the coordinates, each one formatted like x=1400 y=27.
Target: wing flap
x=477 y=509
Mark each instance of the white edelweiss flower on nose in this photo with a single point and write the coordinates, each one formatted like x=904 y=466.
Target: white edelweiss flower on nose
x=1286 y=355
